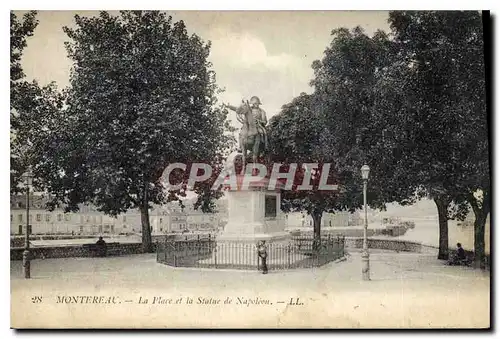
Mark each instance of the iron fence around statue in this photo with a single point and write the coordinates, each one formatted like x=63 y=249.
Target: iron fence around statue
x=299 y=252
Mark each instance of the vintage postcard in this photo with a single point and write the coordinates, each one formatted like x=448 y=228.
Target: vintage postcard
x=250 y=169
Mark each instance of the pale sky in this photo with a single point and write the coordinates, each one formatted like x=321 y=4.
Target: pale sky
x=268 y=54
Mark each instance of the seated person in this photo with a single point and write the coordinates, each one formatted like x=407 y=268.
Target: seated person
x=101 y=247
x=459 y=258
x=460 y=252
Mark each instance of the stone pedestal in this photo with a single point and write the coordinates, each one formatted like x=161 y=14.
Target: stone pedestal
x=254 y=214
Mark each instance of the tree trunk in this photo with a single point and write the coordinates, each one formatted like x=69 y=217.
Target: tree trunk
x=479 y=250
x=147 y=245
x=481 y=212
x=316 y=216
x=442 y=206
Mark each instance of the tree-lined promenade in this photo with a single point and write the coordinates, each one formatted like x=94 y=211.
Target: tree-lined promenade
x=410 y=103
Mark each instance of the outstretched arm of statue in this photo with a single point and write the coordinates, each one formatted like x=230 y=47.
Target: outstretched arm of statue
x=231 y=107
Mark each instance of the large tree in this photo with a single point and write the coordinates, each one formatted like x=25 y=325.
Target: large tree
x=337 y=125
x=472 y=77
x=444 y=101
x=352 y=133
x=142 y=96
x=34 y=109
x=411 y=107
x=22 y=95
x=295 y=139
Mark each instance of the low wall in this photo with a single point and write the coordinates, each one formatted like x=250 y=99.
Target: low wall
x=385 y=244
x=386 y=230
x=18 y=240
x=72 y=251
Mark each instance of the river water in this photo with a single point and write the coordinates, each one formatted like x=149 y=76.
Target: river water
x=426 y=231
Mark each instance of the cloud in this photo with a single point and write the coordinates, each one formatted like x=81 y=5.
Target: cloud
x=244 y=67
x=244 y=50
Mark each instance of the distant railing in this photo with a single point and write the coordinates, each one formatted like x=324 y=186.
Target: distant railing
x=299 y=252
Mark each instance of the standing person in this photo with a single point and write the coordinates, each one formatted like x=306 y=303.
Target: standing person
x=262 y=251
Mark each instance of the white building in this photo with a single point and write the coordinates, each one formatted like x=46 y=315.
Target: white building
x=167 y=219
x=88 y=221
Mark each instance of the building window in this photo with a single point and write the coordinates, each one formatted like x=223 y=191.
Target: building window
x=20 y=217
x=330 y=223
x=124 y=218
x=81 y=229
x=19 y=204
x=11 y=218
x=161 y=220
x=87 y=219
x=67 y=217
x=38 y=217
x=31 y=218
x=59 y=217
x=47 y=217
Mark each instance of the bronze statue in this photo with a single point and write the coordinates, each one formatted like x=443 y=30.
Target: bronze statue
x=253 y=135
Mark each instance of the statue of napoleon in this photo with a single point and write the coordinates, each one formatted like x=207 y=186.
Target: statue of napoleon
x=253 y=135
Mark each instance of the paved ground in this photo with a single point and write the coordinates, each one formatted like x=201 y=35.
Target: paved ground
x=406 y=290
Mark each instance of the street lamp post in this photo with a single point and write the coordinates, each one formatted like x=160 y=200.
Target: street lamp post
x=28 y=177
x=365 y=256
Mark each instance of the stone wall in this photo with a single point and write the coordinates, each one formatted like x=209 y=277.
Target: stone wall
x=136 y=248
x=70 y=251
x=385 y=244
